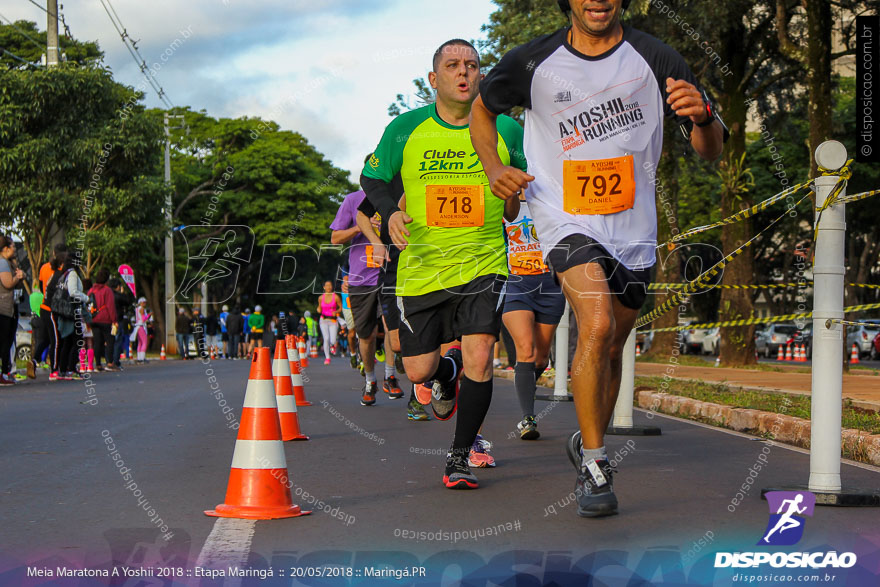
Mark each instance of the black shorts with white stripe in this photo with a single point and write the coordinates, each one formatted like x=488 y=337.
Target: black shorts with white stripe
x=438 y=317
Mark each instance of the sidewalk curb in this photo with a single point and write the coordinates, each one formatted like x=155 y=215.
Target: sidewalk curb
x=783 y=428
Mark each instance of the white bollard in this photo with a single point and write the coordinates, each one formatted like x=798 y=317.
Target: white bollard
x=560 y=384
x=828 y=275
x=622 y=422
x=623 y=409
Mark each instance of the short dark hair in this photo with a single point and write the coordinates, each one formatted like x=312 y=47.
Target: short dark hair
x=102 y=276
x=450 y=43
x=113 y=283
x=61 y=251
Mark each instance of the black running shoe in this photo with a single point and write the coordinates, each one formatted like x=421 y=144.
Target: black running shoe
x=594 y=486
x=353 y=360
x=444 y=395
x=458 y=473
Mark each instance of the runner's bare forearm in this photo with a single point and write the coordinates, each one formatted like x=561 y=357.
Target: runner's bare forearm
x=484 y=135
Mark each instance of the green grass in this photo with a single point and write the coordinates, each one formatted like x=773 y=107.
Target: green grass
x=780 y=403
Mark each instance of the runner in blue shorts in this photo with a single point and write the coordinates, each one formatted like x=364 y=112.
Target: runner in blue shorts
x=533 y=306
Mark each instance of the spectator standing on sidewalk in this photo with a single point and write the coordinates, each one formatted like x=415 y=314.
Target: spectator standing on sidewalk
x=198 y=331
x=234 y=327
x=183 y=331
x=103 y=320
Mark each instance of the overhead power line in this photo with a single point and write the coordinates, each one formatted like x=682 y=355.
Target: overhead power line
x=131 y=45
x=14 y=56
x=60 y=17
x=24 y=34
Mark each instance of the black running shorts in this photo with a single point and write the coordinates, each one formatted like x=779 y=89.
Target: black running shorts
x=438 y=317
x=629 y=286
x=364 y=301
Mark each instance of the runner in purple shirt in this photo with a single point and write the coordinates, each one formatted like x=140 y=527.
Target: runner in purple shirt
x=363 y=289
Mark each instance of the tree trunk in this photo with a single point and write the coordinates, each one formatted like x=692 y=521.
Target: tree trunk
x=737 y=344
x=668 y=268
x=819 y=74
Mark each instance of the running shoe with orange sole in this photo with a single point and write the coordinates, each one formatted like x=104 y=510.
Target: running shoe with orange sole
x=479 y=455
x=458 y=474
x=423 y=392
x=369 y=396
x=392 y=388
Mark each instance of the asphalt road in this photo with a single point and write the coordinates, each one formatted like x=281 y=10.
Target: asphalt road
x=372 y=479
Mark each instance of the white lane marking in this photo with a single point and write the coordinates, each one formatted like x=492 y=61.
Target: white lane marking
x=228 y=545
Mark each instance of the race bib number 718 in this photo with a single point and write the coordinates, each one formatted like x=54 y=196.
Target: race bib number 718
x=454 y=206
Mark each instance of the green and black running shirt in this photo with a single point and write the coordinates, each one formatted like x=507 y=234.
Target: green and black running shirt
x=457 y=231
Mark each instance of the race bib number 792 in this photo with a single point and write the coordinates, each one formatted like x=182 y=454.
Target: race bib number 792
x=600 y=186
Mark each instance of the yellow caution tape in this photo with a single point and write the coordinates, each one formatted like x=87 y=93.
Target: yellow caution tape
x=700 y=282
x=857 y=197
x=738 y=216
x=770 y=320
x=662 y=286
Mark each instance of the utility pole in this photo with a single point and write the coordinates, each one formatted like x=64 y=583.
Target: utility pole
x=170 y=287
x=52 y=33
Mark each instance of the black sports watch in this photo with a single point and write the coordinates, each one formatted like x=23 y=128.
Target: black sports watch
x=710 y=113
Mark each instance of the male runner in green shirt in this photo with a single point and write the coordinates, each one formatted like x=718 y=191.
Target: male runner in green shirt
x=453 y=265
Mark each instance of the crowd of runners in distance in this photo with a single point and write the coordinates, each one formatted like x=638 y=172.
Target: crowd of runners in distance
x=466 y=220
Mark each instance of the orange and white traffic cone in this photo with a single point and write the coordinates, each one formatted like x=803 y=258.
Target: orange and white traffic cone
x=854 y=356
x=780 y=356
x=313 y=352
x=284 y=395
x=296 y=379
x=788 y=353
x=301 y=349
x=638 y=350
x=803 y=353
x=259 y=488
x=162 y=353
x=213 y=352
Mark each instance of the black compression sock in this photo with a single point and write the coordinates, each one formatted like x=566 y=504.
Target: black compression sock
x=473 y=405
x=446 y=370
x=524 y=381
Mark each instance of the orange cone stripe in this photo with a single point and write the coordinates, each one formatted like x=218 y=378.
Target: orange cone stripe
x=260 y=500
x=259 y=424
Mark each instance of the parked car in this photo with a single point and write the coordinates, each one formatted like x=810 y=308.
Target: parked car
x=768 y=341
x=712 y=341
x=875 y=348
x=862 y=337
x=644 y=340
x=23 y=336
x=692 y=339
